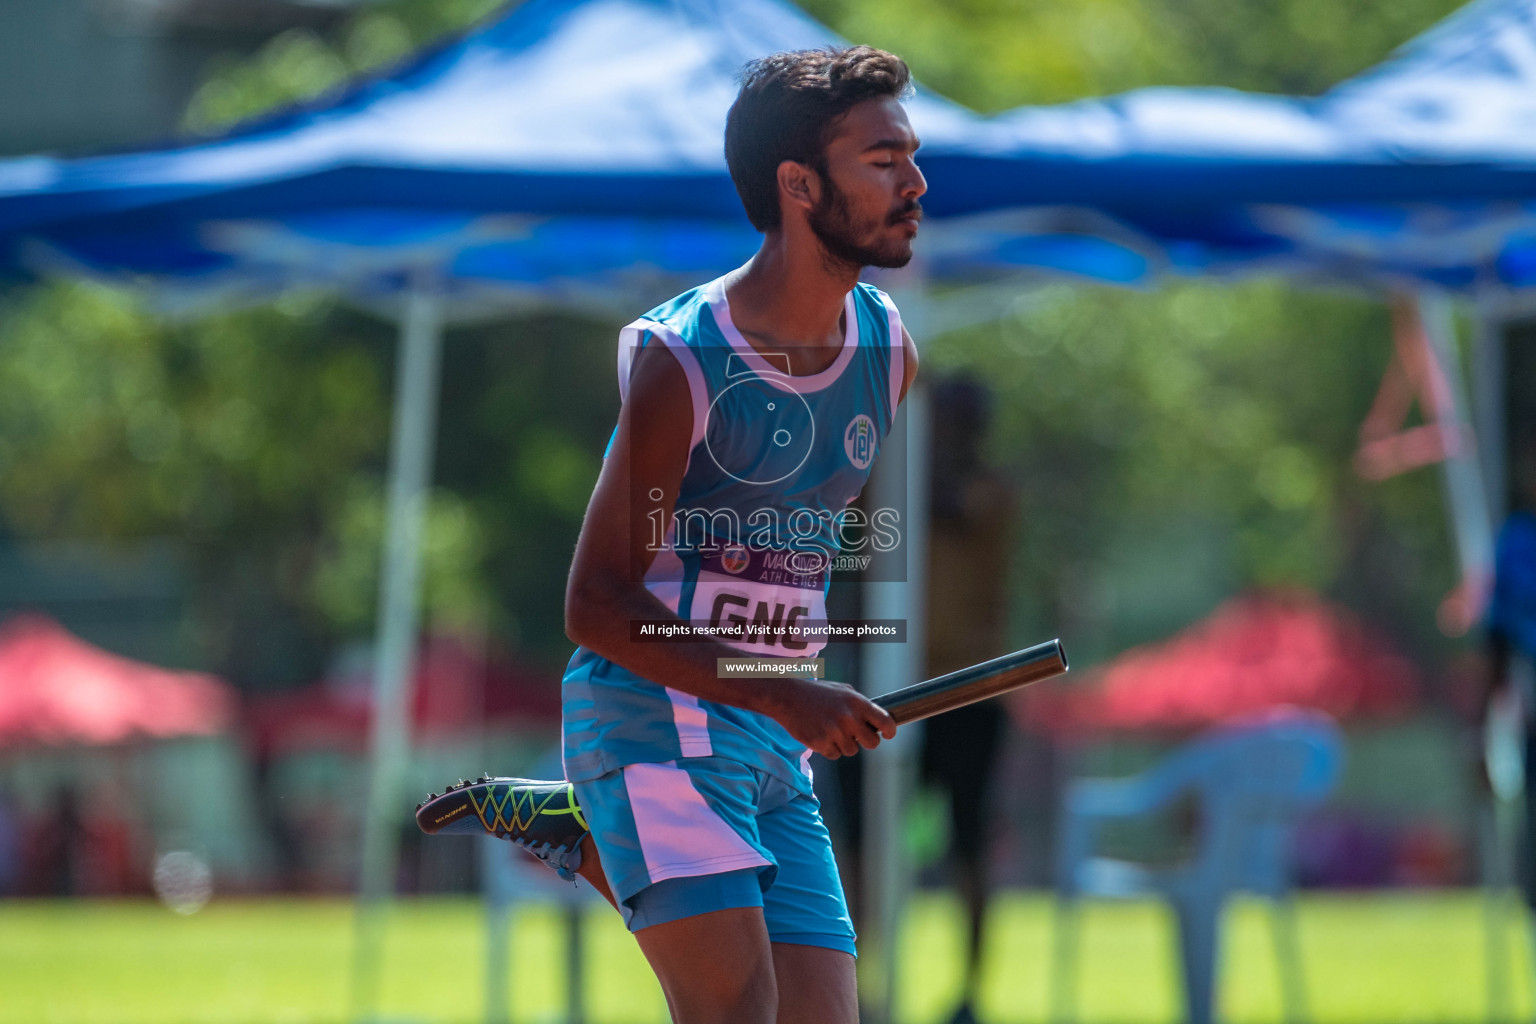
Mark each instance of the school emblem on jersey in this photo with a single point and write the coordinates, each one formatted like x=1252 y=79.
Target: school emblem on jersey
x=859 y=441
x=734 y=558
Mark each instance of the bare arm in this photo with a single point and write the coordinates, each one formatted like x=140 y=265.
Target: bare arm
x=909 y=363
x=637 y=490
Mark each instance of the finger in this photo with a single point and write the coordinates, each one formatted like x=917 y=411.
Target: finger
x=881 y=719
x=868 y=738
x=847 y=745
x=829 y=752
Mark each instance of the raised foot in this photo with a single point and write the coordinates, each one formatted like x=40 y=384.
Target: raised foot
x=542 y=817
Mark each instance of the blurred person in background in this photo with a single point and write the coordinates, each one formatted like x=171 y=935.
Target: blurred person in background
x=971 y=527
x=10 y=847
x=1512 y=637
x=56 y=847
x=972 y=515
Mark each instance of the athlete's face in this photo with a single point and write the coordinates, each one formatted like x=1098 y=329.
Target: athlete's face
x=867 y=213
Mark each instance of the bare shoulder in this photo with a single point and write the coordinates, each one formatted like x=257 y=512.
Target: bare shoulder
x=649 y=455
x=659 y=404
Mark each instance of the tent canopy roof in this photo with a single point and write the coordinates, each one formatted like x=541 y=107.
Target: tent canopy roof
x=57 y=689
x=1258 y=651
x=522 y=115
x=575 y=145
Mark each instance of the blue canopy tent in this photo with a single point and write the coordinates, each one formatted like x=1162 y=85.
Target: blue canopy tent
x=579 y=139
x=570 y=151
x=553 y=151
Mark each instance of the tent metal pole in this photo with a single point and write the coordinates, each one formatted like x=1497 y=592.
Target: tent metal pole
x=1471 y=503
x=1466 y=495
x=1499 y=814
x=900 y=482
x=410 y=472
x=1488 y=403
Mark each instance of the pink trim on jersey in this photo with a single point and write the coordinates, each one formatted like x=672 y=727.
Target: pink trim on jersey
x=898 y=352
x=629 y=344
x=714 y=292
x=680 y=834
x=692 y=723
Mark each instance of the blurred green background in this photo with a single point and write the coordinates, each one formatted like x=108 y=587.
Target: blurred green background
x=208 y=493
x=1368 y=959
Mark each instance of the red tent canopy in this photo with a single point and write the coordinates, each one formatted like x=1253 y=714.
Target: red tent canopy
x=455 y=691
x=57 y=689
x=1255 y=652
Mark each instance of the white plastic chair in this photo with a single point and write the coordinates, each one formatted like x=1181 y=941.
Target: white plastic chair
x=1252 y=782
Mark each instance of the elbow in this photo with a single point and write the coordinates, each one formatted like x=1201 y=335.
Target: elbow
x=575 y=620
x=583 y=603
x=572 y=630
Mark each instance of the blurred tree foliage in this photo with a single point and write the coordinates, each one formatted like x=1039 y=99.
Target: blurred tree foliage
x=256 y=437
x=996 y=54
x=300 y=65
x=1170 y=446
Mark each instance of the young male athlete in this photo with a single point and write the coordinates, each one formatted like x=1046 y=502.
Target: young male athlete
x=753 y=408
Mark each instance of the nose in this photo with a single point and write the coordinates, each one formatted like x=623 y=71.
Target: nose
x=914 y=184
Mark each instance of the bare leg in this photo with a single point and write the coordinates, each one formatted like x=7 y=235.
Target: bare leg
x=973 y=893
x=816 y=985
x=592 y=870
x=716 y=968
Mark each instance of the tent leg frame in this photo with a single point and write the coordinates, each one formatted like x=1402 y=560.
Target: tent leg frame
x=413 y=436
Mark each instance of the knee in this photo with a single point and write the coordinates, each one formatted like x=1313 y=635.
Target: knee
x=716 y=993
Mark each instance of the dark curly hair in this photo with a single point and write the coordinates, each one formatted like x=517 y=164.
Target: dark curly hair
x=786 y=110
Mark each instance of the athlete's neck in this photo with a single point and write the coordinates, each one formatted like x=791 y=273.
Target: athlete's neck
x=788 y=296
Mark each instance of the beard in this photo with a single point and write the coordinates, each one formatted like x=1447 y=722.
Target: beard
x=832 y=222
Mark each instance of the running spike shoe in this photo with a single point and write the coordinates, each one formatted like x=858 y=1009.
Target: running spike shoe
x=541 y=817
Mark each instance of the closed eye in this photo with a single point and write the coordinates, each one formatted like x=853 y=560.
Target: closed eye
x=894 y=146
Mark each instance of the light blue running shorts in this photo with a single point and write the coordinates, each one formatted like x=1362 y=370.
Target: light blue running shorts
x=700 y=834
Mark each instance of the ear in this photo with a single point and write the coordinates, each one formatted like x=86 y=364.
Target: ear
x=799 y=185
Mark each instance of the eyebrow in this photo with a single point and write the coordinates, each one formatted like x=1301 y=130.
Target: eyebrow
x=894 y=144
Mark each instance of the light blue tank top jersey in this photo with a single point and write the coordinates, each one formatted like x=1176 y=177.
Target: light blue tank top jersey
x=775 y=460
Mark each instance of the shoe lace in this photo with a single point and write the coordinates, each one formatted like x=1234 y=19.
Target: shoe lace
x=554 y=856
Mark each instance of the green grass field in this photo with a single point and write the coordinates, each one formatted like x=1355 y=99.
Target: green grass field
x=1414 y=957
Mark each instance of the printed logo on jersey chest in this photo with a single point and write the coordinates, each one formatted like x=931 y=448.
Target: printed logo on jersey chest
x=734 y=558
x=859 y=441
